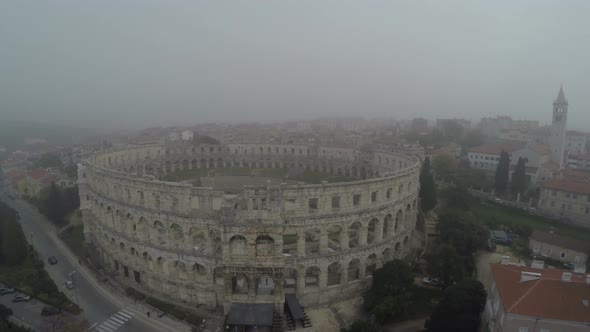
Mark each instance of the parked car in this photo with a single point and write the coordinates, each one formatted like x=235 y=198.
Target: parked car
x=21 y=298
x=501 y=237
x=569 y=266
x=50 y=311
x=431 y=281
x=68 y=284
x=52 y=260
x=5 y=291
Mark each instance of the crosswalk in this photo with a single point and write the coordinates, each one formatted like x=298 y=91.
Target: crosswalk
x=114 y=322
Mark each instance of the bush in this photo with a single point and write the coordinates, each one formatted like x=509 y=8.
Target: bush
x=161 y=305
x=134 y=293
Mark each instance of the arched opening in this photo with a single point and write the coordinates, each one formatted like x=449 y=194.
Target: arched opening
x=406 y=239
x=237 y=246
x=180 y=270
x=398 y=220
x=334 y=272
x=354 y=233
x=265 y=286
x=334 y=235
x=159 y=232
x=312 y=276
x=161 y=265
x=240 y=284
x=312 y=242
x=371 y=264
x=216 y=246
x=397 y=247
x=408 y=219
x=354 y=270
x=264 y=245
x=177 y=235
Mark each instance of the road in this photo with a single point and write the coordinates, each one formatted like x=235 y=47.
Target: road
x=104 y=314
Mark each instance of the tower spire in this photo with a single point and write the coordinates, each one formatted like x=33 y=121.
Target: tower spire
x=561 y=96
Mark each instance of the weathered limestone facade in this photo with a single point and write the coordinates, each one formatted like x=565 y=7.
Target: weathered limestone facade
x=204 y=246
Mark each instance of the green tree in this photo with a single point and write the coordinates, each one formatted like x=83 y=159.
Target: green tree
x=427 y=187
x=391 y=291
x=458 y=198
x=461 y=231
x=460 y=308
x=53 y=205
x=445 y=263
x=502 y=173
x=49 y=160
x=518 y=185
x=443 y=165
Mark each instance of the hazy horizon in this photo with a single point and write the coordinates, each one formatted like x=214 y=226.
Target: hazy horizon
x=139 y=64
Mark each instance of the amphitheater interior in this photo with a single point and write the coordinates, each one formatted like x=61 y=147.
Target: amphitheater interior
x=253 y=236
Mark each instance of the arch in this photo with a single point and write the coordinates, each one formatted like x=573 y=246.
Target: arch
x=406 y=240
x=265 y=286
x=237 y=245
x=354 y=270
x=180 y=270
x=334 y=236
x=290 y=242
x=312 y=276
x=161 y=265
x=408 y=216
x=354 y=234
x=397 y=247
x=240 y=284
x=216 y=245
x=371 y=264
x=264 y=245
x=197 y=238
x=334 y=274
x=176 y=234
x=159 y=232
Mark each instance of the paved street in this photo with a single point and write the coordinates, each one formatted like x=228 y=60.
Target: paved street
x=98 y=307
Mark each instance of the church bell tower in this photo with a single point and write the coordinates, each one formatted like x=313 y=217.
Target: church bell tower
x=558 y=129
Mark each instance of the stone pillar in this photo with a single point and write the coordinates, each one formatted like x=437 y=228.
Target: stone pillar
x=323 y=241
x=362 y=268
x=363 y=235
x=323 y=282
x=344 y=275
x=300 y=283
x=344 y=240
x=379 y=232
x=301 y=243
x=252 y=286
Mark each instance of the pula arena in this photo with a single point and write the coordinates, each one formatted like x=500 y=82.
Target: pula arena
x=200 y=245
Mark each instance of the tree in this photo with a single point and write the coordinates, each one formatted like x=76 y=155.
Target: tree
x=502 y=173
x=5 y=312
x=461 y=231
x=53 y=206
x=444 y=164
x=518 y=185
x=49 y=160
x=459 y=198
x=391 y=291
x=460 y=308
x=445 y=263
x=427 y=187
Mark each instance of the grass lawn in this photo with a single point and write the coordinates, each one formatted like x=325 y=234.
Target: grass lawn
x=494 y=215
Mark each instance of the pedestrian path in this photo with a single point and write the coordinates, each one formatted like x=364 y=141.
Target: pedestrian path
x=114 y=322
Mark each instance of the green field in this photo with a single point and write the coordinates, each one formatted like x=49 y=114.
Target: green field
x=495 y=215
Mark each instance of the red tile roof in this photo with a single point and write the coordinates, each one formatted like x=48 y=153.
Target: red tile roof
x=546 y=297
x=571 y=181
x=38 y=173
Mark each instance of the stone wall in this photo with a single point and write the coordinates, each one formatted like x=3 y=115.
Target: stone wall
x=200 y=245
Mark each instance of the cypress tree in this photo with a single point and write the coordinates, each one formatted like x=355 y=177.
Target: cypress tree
x=502 y=173
x=518 y=184
x=427 y=187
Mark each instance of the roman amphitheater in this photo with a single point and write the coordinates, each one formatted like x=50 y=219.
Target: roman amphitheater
x=255 y=244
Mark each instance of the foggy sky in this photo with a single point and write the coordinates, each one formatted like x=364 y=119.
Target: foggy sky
x=143 y=63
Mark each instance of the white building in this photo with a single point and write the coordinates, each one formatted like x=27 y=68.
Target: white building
x=187 y=135
x=577 y=142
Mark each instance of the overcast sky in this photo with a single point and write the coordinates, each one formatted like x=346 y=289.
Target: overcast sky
x=144 y=63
